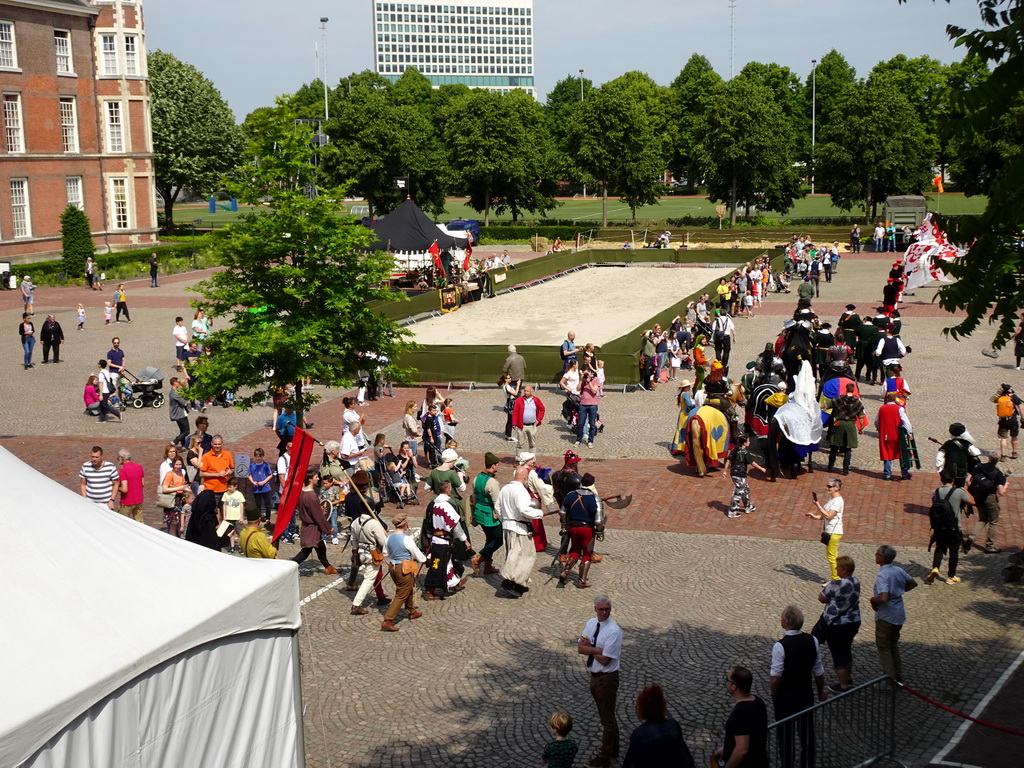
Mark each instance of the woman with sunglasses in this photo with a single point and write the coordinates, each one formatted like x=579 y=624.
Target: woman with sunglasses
x=832 y=515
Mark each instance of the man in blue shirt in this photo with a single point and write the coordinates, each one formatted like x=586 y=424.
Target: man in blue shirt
x=890 y=615
x=568 y=350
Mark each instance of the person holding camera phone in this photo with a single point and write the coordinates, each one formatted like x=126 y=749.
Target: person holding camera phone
x=832 y=515
x=588 y=410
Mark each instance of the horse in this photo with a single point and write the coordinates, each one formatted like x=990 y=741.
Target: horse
x=796 y=348
x=706 y=436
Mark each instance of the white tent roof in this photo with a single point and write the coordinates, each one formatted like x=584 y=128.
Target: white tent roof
x=93 y=599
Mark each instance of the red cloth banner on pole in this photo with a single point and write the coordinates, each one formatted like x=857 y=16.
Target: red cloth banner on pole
x=302 y=450
x=436 y=253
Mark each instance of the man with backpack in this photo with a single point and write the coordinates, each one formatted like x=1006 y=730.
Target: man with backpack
x=958 y=455
x=1007 y=411
x=988 y=484
x=944 y=515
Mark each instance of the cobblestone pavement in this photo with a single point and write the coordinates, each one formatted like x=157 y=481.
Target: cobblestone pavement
x=473 y=681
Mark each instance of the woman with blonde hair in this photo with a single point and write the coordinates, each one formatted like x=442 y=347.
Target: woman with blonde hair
x=413 y=428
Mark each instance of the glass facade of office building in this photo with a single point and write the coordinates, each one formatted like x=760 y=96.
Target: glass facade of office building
x=489 y=45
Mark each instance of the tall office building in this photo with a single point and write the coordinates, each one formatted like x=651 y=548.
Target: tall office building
x=486 y=45
x=75 y=95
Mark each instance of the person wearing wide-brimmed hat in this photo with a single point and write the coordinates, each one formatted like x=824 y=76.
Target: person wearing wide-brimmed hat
x=369 y=535
x=401 y=555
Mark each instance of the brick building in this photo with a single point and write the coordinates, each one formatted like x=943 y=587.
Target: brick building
x=76 y=129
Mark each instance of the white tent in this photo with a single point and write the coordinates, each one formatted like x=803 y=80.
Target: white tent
x=127 y=648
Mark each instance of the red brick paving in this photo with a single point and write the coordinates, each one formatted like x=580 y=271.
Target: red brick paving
x=667 y=496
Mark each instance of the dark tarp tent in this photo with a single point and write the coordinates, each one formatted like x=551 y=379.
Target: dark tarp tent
x=407 y=229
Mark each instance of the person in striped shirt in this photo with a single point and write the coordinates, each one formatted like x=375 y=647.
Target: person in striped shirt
x=99 y=480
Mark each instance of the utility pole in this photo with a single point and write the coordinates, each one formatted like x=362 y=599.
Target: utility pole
x=814 y=109
x=732 y=39
x=323 y=28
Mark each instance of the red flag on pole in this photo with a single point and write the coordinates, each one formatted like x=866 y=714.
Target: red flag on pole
x=302 y=450
x=436 y=253
x=938 y=183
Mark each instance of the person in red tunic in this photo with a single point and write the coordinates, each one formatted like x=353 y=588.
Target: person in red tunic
x=894 y=434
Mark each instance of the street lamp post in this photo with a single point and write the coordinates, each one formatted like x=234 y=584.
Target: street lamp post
x=323 y=28
x=581 y=101
x=814 y=99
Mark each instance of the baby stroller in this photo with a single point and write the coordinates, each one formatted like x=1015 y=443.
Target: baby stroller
x=702 y=328
x=571 y=409
x=780 y=285
x=389 y=488
x=142 y=390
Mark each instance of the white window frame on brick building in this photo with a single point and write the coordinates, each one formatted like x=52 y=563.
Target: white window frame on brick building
x=21 y=215
x=113 y=117
x=73 y=190
x=131 y=56
x=69 y=124
x=120 y=212
x=62 y=48
x=108 y=49
x=14 y=134
x=8 y=46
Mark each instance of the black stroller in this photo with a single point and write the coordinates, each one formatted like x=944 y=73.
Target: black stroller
x=389 y=488
x=142 y=390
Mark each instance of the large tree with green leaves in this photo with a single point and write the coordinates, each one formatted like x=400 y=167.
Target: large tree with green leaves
x=746 y=150
x=878 y=149
x=294 y=287
x=375 y=140
x=195 y=139
x=500 y=153
x=924 y=82
x=990 y=278
x=567 y=93
x=690 y=98
x=614 y=142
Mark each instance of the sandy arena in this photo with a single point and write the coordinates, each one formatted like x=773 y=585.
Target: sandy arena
x=599 y=303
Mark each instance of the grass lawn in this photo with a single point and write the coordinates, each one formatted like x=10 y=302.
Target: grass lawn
x=589 y=210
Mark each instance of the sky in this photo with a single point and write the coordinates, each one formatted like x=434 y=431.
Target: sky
x=256 y=50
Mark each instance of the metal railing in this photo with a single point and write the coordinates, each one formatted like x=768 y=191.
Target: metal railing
x=851 y=729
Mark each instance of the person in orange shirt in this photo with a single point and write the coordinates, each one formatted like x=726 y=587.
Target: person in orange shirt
x=700 y=362
x=216 y=467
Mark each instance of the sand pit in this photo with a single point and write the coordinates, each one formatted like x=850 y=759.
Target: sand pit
x=600 y=304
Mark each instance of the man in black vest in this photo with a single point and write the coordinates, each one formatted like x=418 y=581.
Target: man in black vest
x=796 y=658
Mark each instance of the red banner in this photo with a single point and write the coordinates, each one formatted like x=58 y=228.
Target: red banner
x=436 y=253
x=302 y=450
x=469 y=252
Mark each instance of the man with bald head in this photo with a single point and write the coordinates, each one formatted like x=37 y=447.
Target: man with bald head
x=515 y=366
x=568 y=350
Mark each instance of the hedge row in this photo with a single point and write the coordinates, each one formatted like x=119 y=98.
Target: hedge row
x=50 y=271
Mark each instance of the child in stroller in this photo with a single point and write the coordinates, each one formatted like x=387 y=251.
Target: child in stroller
x=394 y=484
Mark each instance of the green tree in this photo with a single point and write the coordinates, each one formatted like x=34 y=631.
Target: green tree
x=374 y=141
x=989 y=282
x=295 y=285
x=689 y=101
x=567 y=93
x=878 y=149
x=195 y=139
x=923 y=82
x=747 y=148
x=76 y=240
x=614 y=142
x=833 y=75
x=500 y=152
x=788 y=92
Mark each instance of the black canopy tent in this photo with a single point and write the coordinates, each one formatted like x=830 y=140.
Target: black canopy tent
x=408 y=230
